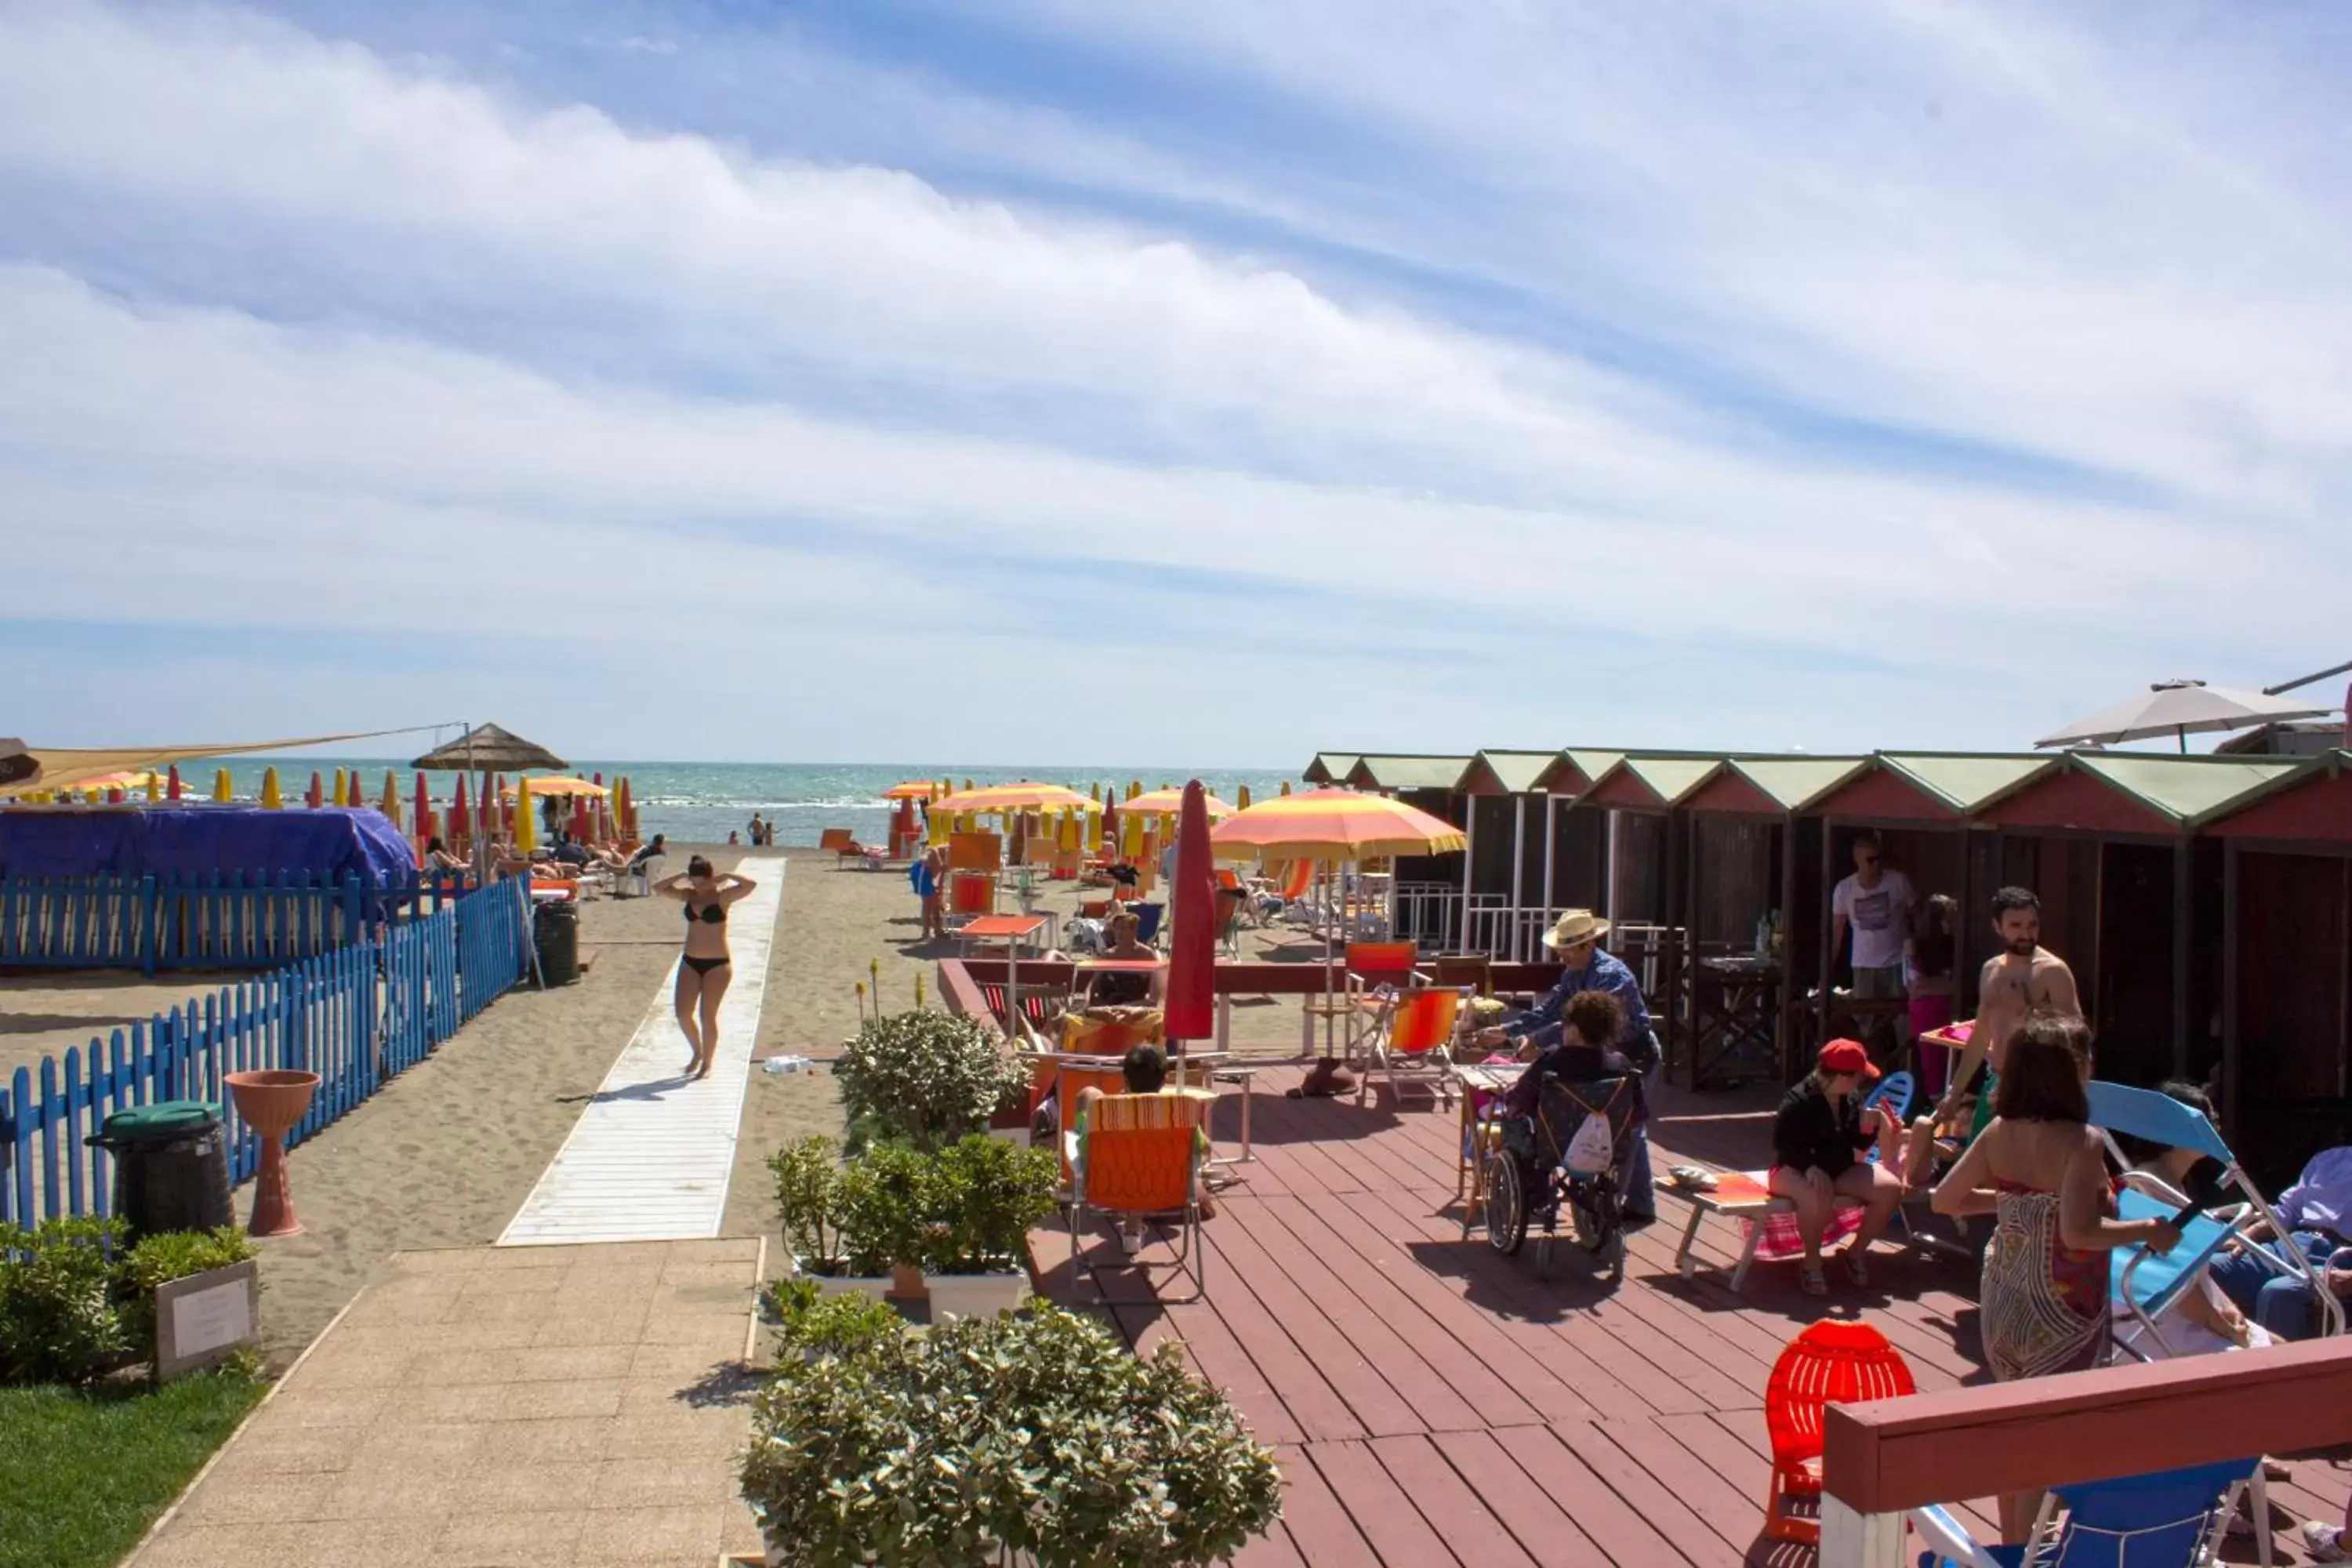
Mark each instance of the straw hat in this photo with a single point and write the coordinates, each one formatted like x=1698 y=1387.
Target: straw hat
x=1575 y=926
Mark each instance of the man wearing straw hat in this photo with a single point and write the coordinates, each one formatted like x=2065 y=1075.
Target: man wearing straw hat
x=1576 y=937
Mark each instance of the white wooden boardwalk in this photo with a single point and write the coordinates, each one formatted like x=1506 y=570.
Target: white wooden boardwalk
x=650 y=1157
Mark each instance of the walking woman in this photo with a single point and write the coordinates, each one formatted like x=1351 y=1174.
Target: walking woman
x=2040 y=1168
x=703 y=970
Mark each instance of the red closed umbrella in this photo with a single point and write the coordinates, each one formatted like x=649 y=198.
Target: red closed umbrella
x=580 y=817
x=424 y=810
x=317 y=794
x=1191 y=1000
x=460 y=817
x=174 y=790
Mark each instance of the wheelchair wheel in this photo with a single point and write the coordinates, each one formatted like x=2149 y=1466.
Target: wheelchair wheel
x=1506 y=1205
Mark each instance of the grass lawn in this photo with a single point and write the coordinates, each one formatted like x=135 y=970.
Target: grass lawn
x=83 y=1474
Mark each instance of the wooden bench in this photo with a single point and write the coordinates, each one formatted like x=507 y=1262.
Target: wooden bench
x=1745 y=1195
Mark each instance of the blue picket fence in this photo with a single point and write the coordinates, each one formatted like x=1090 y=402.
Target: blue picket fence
x=356 y=1017
x=232 y=920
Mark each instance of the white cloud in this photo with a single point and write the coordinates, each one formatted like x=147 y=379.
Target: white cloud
x=1504 y=506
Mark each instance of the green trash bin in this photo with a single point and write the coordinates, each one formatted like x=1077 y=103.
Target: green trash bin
x=170 y=1166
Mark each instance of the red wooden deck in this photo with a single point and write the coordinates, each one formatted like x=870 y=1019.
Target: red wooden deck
x=1435 y=1403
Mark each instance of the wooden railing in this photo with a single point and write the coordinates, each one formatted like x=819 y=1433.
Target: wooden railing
x=1884 y=1458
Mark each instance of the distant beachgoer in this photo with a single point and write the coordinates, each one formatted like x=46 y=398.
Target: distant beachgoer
x=652 y=849
x=2040 y=1168
x=758 y=831
x=1123 y=989
x=704 y=970
x=438 y=859
x=734 y=838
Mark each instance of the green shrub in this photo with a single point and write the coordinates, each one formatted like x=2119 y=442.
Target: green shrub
x=814 y=1323
x=1042 y=1435
x=808 y=1202
x=171 y=1255
x=889 y=1205
x=925 y=1077
x=58 y=1322
x=987 y=1194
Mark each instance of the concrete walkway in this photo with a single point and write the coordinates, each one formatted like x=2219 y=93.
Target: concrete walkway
x=651 y=1156
x=581 y=1406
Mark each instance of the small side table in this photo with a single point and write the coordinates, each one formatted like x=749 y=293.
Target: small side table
x=1247 y=1078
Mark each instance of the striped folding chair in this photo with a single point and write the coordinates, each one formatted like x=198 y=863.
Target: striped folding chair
x=1140 y=1159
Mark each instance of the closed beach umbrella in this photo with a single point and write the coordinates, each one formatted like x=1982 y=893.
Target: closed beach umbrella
x=2180 y=708
x=460 y=818
x=1191 y=1000
x=1134 y=788
x=391 y=806
x=316 y=795
x=1241 y=797
x=358 y=801
x=526 y=829
x=423 y=808
x=1285 y=787
x=222 y=792
x=339 y=787
x=580 y=816
x=172 y=789
x=624 y=807
x=270 y=797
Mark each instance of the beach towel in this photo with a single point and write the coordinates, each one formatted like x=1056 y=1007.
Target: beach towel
x=1780 y=1238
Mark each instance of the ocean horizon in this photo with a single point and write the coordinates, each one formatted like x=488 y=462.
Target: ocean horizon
x=701 y=803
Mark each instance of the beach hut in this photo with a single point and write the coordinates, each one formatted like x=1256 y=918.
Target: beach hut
x=1748 y=867
x=1430 y=900
x=1330 y=768
x=2131 y=893
x=1505 y=889
x=2287 y=964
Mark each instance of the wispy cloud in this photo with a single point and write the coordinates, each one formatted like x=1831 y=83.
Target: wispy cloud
x=1695 y=377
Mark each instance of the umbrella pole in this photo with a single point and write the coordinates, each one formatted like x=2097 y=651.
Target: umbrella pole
x=1329 y=1002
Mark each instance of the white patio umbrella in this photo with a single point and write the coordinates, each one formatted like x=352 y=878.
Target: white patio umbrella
x=2177 y=707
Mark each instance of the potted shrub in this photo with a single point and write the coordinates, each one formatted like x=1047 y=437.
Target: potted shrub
x=811 y=1201
x=986 y=1196
x=925 y=1077
x=989 y=1438
x=889 y=1205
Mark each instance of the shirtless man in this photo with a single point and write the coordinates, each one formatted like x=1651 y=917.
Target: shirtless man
x=2023 y=977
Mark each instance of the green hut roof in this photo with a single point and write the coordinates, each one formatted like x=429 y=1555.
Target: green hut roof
x=1516 y=772
x=1795 y=782
x=1408 y=772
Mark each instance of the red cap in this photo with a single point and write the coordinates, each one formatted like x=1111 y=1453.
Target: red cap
x=1847 y=1056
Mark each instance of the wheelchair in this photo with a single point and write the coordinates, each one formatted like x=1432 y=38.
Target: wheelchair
x=1528 y=1182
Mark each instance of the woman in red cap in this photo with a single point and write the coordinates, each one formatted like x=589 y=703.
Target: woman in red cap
x=1818 y=1143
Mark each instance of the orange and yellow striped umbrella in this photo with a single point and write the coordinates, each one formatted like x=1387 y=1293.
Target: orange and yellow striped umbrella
x=914 y=789
x=1168 y=803
x=1014 y=797
x=1332 y=825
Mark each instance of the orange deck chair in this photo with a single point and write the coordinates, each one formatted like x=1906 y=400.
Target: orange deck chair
x=1410 y=1047
x=1143 y=1158
x=1375 y=973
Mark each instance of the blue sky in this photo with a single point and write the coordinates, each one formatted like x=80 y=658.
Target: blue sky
x=835 y=379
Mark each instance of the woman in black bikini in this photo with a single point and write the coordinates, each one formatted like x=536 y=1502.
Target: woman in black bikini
x=703 y=970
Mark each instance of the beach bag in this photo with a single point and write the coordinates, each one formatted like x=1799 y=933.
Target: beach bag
x=1590 y=1152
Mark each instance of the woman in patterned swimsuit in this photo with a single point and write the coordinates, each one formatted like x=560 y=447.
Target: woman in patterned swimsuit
x=2039 y=1168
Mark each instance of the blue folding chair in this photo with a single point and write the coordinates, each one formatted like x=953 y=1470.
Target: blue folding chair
x=2146 y=1286
x=2173 y=1518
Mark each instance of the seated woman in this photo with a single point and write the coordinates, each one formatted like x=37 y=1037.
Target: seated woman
x=2209 y=1321
x=438 y=859
x=1818 y=1140
x=1592 y=1023
x=1132 y=988
x=1145 y=1071
x=2317 y=1213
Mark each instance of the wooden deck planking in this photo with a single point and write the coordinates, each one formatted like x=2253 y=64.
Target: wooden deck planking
x=1432 y=1402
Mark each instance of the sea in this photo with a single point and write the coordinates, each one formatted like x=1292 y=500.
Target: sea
x=701 y=803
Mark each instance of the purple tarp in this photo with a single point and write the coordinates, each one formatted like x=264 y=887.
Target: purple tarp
x=200 y=841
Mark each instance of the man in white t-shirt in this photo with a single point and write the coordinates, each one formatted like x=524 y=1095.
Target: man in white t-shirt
x=1874 y=904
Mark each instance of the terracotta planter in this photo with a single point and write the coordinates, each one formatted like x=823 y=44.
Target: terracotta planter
x=907 y=1282
x=271 y=1100
x=956 y=1296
